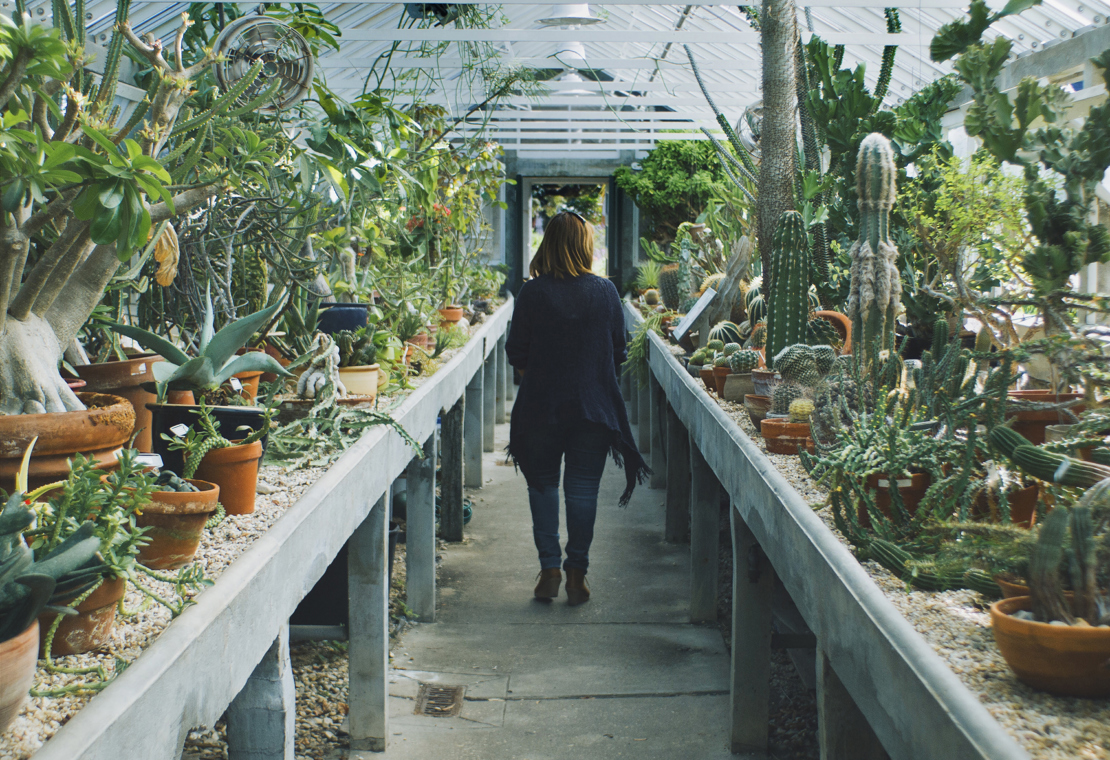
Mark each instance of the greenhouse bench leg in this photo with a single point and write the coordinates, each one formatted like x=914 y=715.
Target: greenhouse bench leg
x=420 y=535
x=368 y=632
x=677 y=529
x=753 y=579
x=705 y=509
x=489 y=401
x=510 y=374
x=451 y=478
x=502 y=382
x=260 y=720
x=658 y=433
x=842 y=731
x=472 y=430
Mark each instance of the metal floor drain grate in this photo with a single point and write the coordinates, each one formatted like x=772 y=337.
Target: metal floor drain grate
x=439 y=701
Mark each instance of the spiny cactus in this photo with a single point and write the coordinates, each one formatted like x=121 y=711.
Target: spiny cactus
x=820 y=330
x=744 y=361
x=788 y=295
x=720 y=361
x=797 y=364
x=731 y=348
x=876 y=285
x=712 y=281
x=754 y=302
x=668 y=287
x=825 y=357
x=800 y=410
x=784 y=394
x=759 y=336
x=651 y=297
x=715 y=344
x=698 y=359
x=726 y=332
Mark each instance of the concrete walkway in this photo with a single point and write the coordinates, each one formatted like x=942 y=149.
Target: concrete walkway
x=624 y=675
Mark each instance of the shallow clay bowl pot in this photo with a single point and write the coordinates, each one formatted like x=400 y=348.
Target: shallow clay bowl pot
x=1066 y=660
x=91 y=627
x=98 y=432
x=18 y=656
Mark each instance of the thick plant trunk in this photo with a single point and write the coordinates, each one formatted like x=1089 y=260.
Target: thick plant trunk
x=29 y=378
x=778 y=138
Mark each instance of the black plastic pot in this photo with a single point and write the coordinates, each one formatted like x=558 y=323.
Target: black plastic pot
x=334 y=317
x=228 y=420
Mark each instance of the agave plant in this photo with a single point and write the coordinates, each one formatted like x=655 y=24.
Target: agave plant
x=216 y=361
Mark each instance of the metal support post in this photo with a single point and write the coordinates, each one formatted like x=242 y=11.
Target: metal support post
x=451 y=473
x=753 y=579
x=368 y=631
x=502 y=382
x=643 y=419
x=472 y=430
x=420 y=532
x=705 y=507
x=842 y=731
x=633 y=399
x=658 y=433
x=510 y=375
x=261 y=718
x=489 y=400
x=677 y=528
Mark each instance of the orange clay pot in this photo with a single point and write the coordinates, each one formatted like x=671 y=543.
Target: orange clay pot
x=1031 y=423
x=783 y=436
x=250 y=384
x=706 y=375
x=175 y=523
x=235 y=470
x=1023 y=506
x=90 y=628
x=720 y=374
x=124 y=379
x=18 y=656
x=843 y=326
x=1066 y=660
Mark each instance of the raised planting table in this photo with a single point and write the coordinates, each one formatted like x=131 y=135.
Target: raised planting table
x=880 y=686
x=230 y=651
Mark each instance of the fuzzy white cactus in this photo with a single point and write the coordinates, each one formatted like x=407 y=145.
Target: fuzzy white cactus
x=322 y=369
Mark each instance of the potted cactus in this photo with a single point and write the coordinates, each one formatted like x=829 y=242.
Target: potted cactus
x=739 y=381
x=786 y=428
x=358 y=366
x=722 y=367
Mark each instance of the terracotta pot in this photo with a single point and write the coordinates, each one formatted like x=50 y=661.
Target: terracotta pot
x=181 y=398
x=911 y=489
x=235 y=470
x=764 y=381
x=843 y=326
x=269 y=377
x=175 y=523
x=783 y=436
x=1032 y=424
x=757 y=407
x=1054 y=433
x=706 y=375
x=90 y=628
x=1023 y=506
x=18 y=656
x=125 y=378
x=250 y=384
x=228 y=420
x=423 y=340
x=98 y=432
x=450 y=315
x=738 y=385
x=1066 y=660
x=720 y=374
x=1011 y=589
x=360 y=381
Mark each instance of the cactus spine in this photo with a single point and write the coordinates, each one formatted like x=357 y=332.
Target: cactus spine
x=876 y=285
x=788 y=293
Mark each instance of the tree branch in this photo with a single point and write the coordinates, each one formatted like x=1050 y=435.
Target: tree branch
x=13 y=247
x=84 y=289
x=15 y=77
x=153 y=53
x=47 y=213
x=56 y=280
x=37 y=279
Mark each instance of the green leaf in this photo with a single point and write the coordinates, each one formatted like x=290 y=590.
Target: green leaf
x=1017 y=6
x=252 y=361
x=151 y=342
x=101 y=140
x=235 y=335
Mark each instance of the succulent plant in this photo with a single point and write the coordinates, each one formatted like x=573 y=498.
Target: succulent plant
x=720 y=360
x=726 y=332
x=821 y=331
x=647 y=276
x=825 y=357
x=712 y=281
x=754 y=302
x=669 y=287
x=744 y=361
x=798 y=364
x=732 y=348
x=788 y=292
x=784 y=394
x=759 y=336
x=651 y=297
x=715 y=345
x=356 y=347
x=800 y=410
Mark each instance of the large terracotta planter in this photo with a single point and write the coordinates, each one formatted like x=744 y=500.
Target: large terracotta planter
x=97 y=432
x=911 y=489
x=235 y=470
x=757 y=407
x=1032 y=423
x=764 y=381
x=1023 y=506
x=175 y=523
x=706 y=375
x=124 y=379
x=843 y=326
x=90 y=628
x=360 y=381
x=738 y=385
x=1060 y=659
x=783 y=436
x=720 y=374
x=18 y=656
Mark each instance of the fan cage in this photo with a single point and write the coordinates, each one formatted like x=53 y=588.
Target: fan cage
x=283 y=52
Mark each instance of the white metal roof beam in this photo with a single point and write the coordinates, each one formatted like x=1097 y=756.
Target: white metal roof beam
x=957 y=4
x=609 y=64
x=608 y=36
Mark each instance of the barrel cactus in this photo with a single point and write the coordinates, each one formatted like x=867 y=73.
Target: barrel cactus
x=715 y=344
x=754 y=302
x=876 y=285
x=788 y=291
x=821 y=331
x=784 y=394
x=732 y=348
x=759 y=336
x=712 y=281
x=668 y=287
x=797 y=364
x=800 y=409
x=720 y=361
x=744 y=361
x=726 y=332
x=651 y=297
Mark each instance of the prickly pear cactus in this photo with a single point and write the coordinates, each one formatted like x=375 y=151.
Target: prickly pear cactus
x=876 y=290
x=788 y=294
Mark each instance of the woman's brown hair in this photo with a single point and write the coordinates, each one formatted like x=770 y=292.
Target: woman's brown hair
x=567 y=248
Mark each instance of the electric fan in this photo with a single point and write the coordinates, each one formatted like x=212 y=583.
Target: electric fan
x=748 y=128
x=283 y=53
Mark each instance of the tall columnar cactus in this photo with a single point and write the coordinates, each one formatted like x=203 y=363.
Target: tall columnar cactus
x=788 y=296
x=876 y=285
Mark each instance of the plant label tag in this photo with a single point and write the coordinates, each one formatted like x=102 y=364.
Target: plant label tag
x=686 y=323
x=180 y=430
x=149 y=460
x=235 y=384
x=901 y=483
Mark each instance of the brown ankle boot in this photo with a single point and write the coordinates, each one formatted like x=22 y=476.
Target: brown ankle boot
x=578 y=590
x=549 y=581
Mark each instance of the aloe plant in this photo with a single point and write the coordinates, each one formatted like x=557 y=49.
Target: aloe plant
x=216 y=361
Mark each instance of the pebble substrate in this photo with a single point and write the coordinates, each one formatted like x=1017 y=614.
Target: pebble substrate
x=958 y=627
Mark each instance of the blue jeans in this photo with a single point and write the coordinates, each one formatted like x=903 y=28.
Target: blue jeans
x=584 y=445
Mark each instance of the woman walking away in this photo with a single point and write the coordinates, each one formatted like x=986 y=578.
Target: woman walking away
x=568 y=342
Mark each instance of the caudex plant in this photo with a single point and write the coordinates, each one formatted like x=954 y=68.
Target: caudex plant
x=78 y=195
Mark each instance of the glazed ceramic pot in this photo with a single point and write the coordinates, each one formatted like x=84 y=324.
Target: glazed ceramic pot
x=97 y=432
x=360 y=381
x=335 y=317
x=1066 y=660
x=18 y=656
x=175 y=523
x=757 y=407
x=235 y=470
x=1032 y=423
x=783 y=436
x=125 y=379
x=90 y=628
x=738 y=385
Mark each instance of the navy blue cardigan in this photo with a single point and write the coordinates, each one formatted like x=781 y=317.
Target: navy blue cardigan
x=569 y=335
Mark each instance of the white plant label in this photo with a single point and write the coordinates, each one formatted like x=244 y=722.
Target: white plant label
x=140 y=370
x=180 y=430
x=149 y=460
x=235 y=384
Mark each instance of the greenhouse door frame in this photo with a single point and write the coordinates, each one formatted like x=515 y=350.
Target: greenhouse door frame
x=524 y=219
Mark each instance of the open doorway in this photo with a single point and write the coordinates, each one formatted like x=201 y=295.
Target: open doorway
x=587 y=198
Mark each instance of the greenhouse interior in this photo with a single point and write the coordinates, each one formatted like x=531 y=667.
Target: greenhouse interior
x=821 y=379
